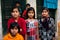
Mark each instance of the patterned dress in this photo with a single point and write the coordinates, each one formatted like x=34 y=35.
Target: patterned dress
x=31 y=29
x=47 y=33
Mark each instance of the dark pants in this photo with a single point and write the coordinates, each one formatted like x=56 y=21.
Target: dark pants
x=30 y=38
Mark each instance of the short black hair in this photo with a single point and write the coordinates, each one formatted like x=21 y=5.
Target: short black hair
x=29 y=9
x=17 y=2
x=28 y=4
x=45 y=8
x=14 y=8
x=14 y=24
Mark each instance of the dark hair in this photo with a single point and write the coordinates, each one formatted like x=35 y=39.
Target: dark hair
x=29 y=9
x=17 y=2
x=45 y=9
x=14 y=8
x=28 y=4
x=14 y=24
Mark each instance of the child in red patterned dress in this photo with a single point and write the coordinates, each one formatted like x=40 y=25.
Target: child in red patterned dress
x=32 y=25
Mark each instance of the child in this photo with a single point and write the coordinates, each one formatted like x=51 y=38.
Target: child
x=16 y=18
x=32 y=25
x=13 y=32
x=24 y=13
x=47 y=26
x=17 y=4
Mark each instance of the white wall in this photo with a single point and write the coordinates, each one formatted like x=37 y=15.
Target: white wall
x=33 y=4
x=58 y=15
x=58 y=11
x=0 y=22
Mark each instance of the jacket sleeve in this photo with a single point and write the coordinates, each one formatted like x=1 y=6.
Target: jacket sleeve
x=53 y=27
x=8 y=24
x=23 y=27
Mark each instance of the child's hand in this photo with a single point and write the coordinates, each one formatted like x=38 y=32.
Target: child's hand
x=36 y=23
x=20 y=29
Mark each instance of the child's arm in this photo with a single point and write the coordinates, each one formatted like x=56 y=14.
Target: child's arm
x=23 y=27
x=37 y=34
x=53 y=28
x=37 y=31
x=25 y=36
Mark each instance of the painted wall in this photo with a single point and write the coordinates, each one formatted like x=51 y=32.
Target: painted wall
x=58 y=19
x=0 y=22
x=58 y=11
x=50 y=4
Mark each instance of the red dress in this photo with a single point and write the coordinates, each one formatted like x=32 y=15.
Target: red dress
x=21 y=23
x=32 y=29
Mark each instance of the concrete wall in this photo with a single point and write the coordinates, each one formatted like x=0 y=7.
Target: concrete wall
x=33 y=4
x=0 y=22
x=58 y=11
x=58 y=20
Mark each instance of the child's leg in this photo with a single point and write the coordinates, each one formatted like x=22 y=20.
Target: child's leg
x=30 y=38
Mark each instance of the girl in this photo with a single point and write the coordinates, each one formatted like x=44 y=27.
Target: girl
x=16 y=18
x=32 y=25
x=13 y=32
x=47 y=26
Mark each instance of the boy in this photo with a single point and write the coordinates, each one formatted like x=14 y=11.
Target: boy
x=17 y=4
x=24 y=13
x=13 y=32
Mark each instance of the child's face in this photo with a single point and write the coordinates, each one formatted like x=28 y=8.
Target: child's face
x=27 y=7
x=45 y=13
x=31 y=14
x=14 y=31
x=15 y=13
x=17 y=4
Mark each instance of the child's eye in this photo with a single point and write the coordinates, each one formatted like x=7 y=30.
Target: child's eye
x=29 y=12
x=12 y=11
x=16 y=11
x=16 y=28
x=32 y=12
